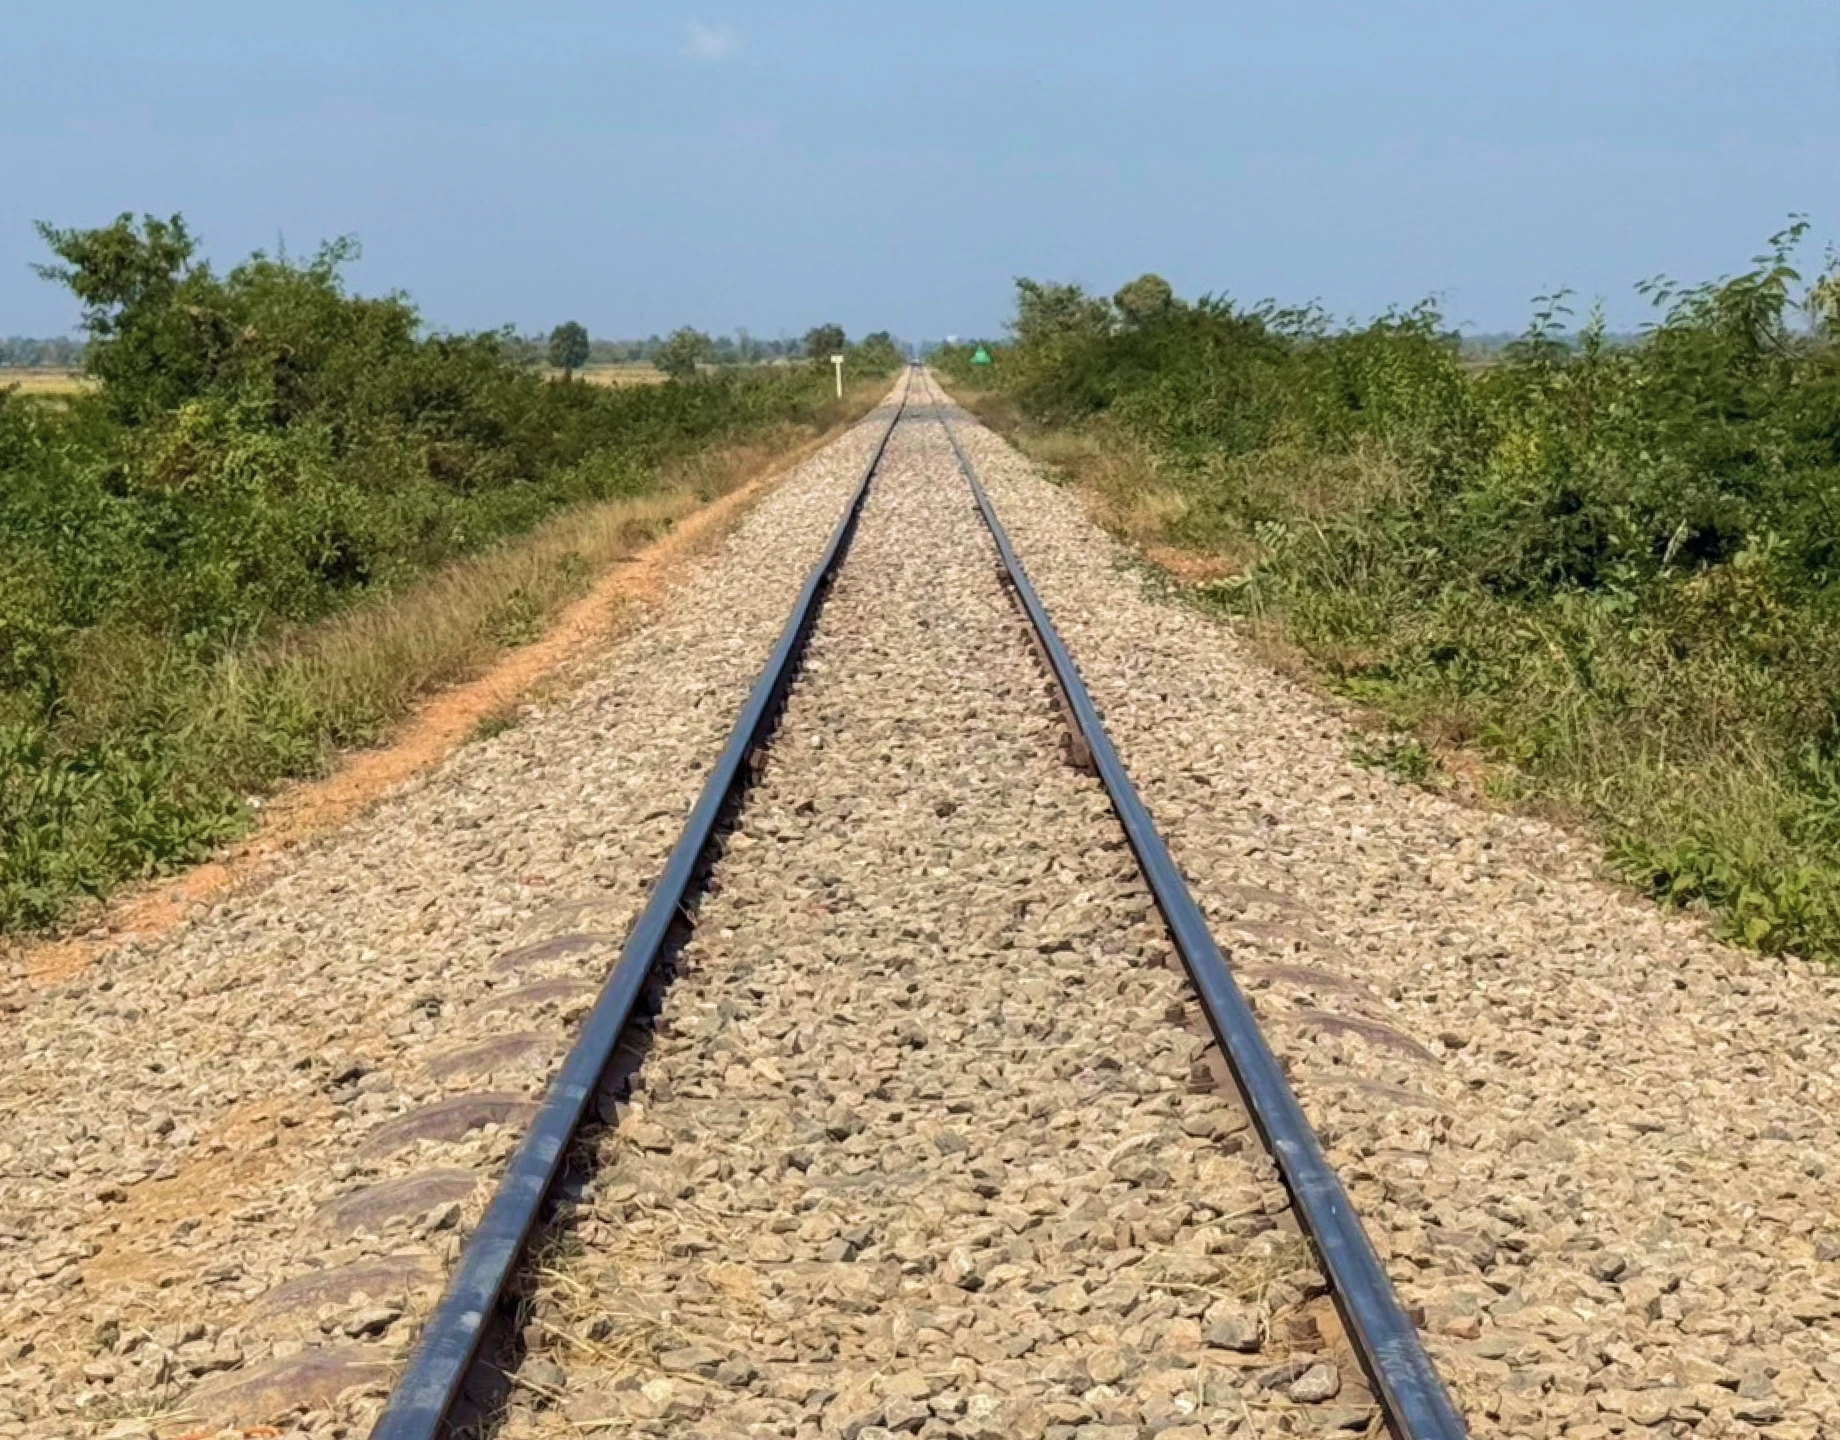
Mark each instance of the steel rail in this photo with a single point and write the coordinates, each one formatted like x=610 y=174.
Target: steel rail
x=1411 y=1393
x=449 y=1344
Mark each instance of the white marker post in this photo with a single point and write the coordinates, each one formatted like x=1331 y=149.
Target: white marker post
x=837 y=360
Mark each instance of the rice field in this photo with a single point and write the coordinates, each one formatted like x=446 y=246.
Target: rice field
x=43 y=382
x=621 y=374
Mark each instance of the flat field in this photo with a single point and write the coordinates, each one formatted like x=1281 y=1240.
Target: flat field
x=43 y=382
x=622 y=374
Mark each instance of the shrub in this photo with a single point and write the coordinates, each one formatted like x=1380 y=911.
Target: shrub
x=263 y=450
x=1614 y=565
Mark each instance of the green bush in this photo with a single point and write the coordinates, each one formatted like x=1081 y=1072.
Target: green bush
x=262 y=450
x=1615 y=566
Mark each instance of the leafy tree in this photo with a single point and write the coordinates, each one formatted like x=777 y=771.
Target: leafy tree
x=1046 y=312
x=278 y=335
x=568 y=347
x=876 y=352
x=150 y=347
x=679 y=356
x=1144 y=300
x=824 y=341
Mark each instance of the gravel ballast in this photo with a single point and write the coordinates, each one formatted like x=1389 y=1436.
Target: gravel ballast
x=924 y=1140
x=197 y=1123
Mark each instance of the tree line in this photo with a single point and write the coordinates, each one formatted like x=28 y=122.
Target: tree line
x=22 y=352
x=568 y=347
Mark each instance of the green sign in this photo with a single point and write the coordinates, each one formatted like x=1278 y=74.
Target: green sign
x=982 y=357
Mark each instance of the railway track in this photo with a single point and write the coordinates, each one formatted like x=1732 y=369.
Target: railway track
x=915 y=1126
x=939 y=1124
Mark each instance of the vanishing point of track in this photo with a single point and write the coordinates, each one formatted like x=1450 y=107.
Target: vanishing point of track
x=1406 y=1386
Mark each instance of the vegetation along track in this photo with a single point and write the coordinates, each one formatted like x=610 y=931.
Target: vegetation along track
x=956 y=1044
x=913 y=1143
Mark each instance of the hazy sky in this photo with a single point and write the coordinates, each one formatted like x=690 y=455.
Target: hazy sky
x=641 y=166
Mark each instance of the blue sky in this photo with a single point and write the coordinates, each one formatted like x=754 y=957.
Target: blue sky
x=641 y=166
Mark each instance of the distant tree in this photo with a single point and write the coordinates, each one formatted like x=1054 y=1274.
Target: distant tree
x=1147 y=298
x=824 y=341
x=1046 y=312
x=679 y=356
x=877 y=352
x=60 y=352
x=568 y=347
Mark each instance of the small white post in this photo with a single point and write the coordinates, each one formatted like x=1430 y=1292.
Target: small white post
x=837 y=360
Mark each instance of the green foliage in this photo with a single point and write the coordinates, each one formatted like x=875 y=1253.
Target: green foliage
x=494 y=723
x=682 y=354
x=824 y=341
x=1144 y=301
x=955 y=363
x=1615 y=567
x=875 y=354
x=149 y=339
x=1401 y=756
x=263 y=450
x=568 y=347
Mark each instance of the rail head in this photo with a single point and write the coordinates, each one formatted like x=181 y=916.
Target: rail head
x=1416 y=1404
x=448 y=1347
x=1413 y=1396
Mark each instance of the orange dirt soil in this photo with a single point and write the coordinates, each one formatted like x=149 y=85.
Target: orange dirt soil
x=1188 y=566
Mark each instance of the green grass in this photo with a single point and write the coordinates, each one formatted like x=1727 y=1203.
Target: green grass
x=1405 y=758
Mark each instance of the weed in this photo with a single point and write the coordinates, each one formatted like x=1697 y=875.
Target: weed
x=1401 y=756
x=495 y=722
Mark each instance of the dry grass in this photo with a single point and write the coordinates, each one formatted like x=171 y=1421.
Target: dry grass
x=1123 y=489
x=379 y=659
x=1318 y=486
x=641 y=374
x=1120 y=481
x=365 y=669
x=44 y=382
